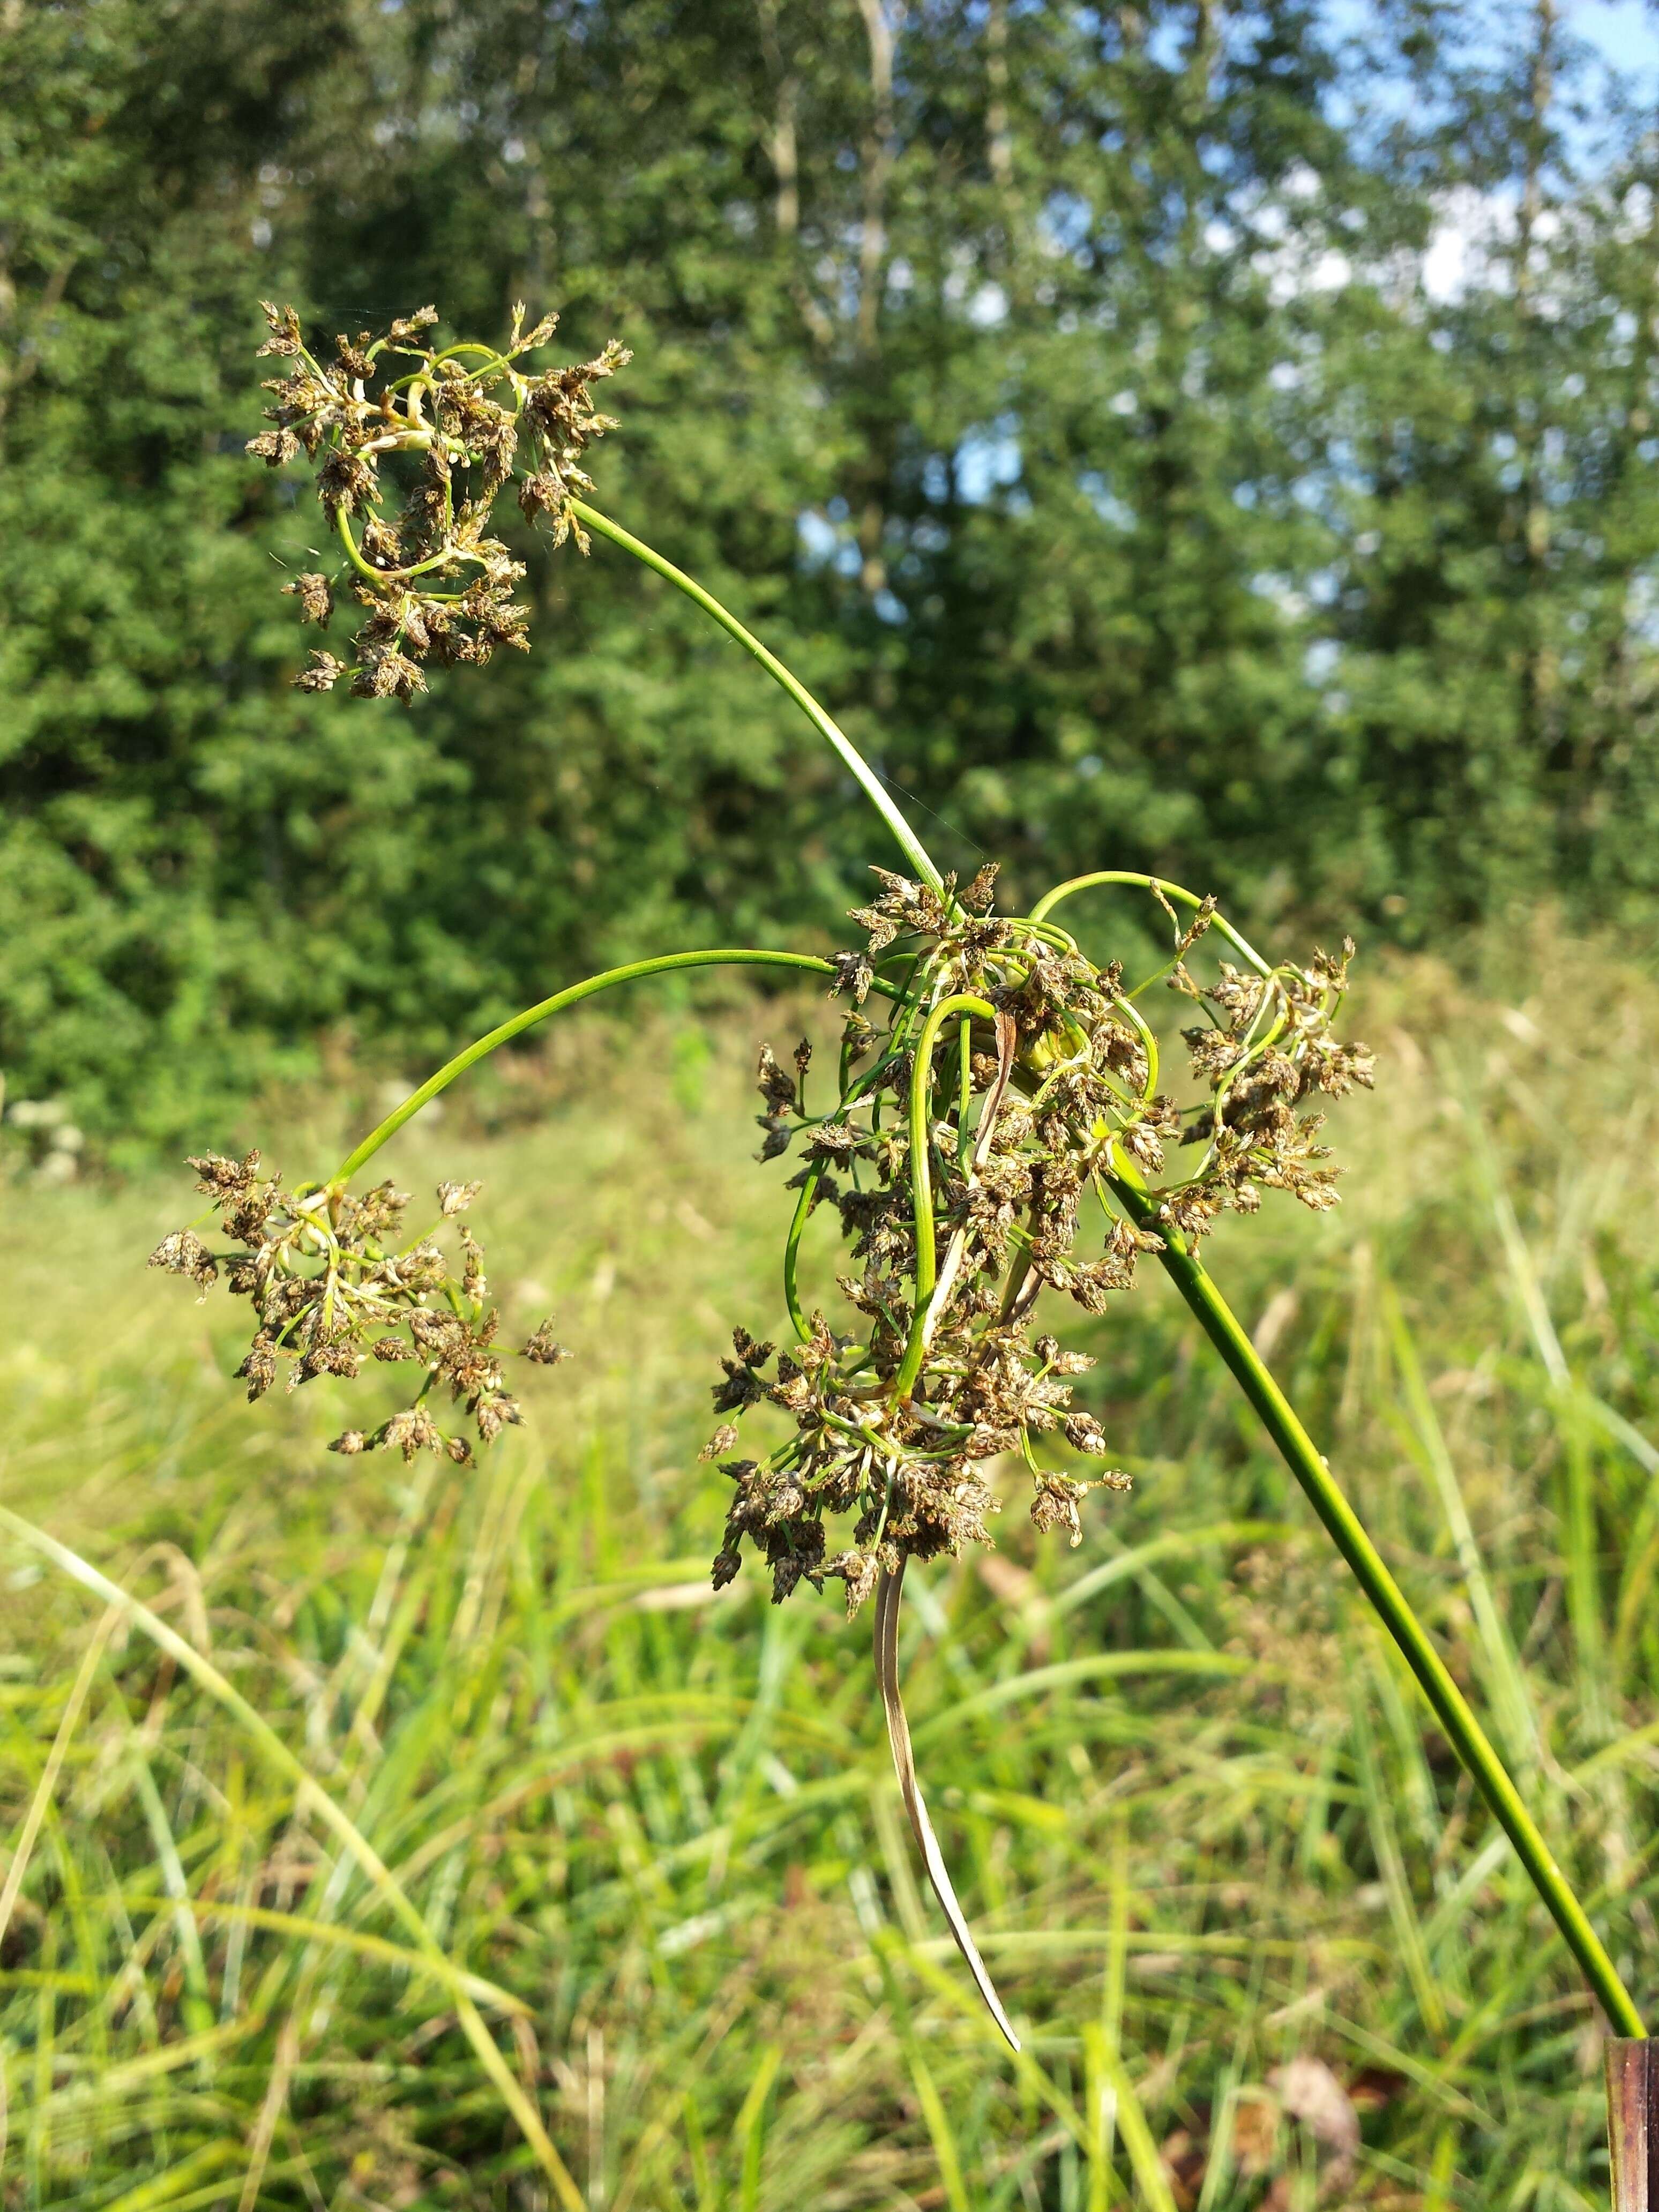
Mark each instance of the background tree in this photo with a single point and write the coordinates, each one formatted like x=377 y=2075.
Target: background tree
x=1080 y=399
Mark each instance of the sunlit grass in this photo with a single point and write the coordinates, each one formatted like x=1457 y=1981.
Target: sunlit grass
x=1233 y=1891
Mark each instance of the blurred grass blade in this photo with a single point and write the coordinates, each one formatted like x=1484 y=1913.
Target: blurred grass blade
x=750 y=2133
x=78 y=1694
x=331 y=1935
x=164 y=2191
x=938 y=2126
x=1144 y=2161
x=1385 y=1844
x=1517 y=1722
x=318 y=1799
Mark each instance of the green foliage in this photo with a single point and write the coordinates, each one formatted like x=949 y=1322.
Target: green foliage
x=1043 y=385
x=1216 y=1855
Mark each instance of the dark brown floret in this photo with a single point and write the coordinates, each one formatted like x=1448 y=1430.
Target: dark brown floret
x=184 y=1254
x=436 y=583
x=324 y=673
x=1051 y=1118
x=543 y=1349
x=316 y=597
x=331 y=1285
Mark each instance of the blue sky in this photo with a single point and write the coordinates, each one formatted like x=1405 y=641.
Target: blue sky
x=1626 y=31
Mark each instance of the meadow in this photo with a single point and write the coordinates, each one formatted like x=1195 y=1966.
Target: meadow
x=1263 y=1948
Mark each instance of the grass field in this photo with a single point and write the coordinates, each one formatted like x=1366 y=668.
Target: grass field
x=634 y=1857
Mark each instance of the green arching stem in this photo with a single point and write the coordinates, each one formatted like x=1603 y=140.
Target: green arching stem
x=575 y=993
x=1149 y=1045
x=964 y=1087
x=808 y=1193
x=388 y=575
x=922 y=1179
x=909 y=844
x=1346 y=1531
x=1172 y=891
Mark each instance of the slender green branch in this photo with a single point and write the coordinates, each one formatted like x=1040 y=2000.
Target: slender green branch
x=1176 y=892
x=1468 y=1740
x=353 y=554
x=849 y=1094
x=809 y=1191
x=1132 y=1013
x=964 y=1087
x=922 y=1176
x=909 y=844
x=571 y=996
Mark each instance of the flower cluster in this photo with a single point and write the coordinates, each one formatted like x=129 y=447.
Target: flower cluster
x=465 y=416
x=1033 y=1087
x=333 y=1281
x=1000 y=1136
x=1266 y=1045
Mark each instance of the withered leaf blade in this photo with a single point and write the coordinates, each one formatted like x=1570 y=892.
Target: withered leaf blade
x=889 y=1590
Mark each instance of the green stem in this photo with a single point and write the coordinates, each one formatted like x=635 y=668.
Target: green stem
x=909 y=844
x=964 y=1089
x=1468 y=1740
x=571 y=996
x=1172 y=891
x=390 y=575
x=1149 y=1045
x=850 y=1093
x=809 y=1191
x=921 y=1177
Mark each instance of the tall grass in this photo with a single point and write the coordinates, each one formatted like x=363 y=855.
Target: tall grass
x=1262 y=1945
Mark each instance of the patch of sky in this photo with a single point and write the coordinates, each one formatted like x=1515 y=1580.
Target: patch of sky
x=1643 y=606
x=987 y=460
x=1064 y=221
x=1279 y=590
x=826 y=540
x=1104 y=500
x=1611 y=47
x=1324 y=587
x=989 y=307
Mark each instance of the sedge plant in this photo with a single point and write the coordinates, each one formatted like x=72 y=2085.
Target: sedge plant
x=994 y=1138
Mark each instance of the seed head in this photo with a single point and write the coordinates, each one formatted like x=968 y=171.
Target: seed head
x=436 y=584
x=333 y=1281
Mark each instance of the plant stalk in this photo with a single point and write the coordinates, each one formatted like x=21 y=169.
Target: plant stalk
x=575 y=993
x=1177 y=892
x=965 y=1004
x=1467 y=1739
x=1632 y=2071
x=909 y=844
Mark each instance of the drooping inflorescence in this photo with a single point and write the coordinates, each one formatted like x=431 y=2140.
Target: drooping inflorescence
x=1002 y=1134
x=1028 y=1077
x=333 y=1281
x=467 y=418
